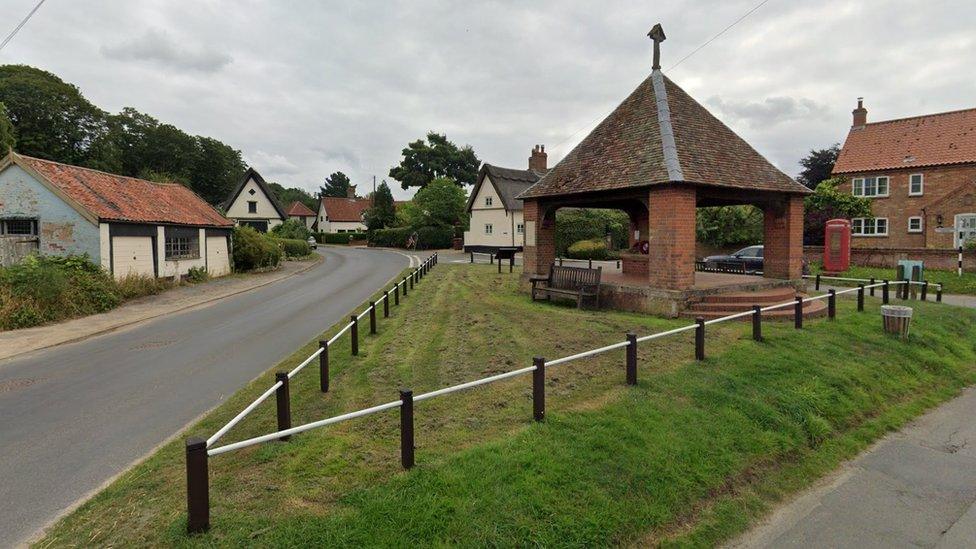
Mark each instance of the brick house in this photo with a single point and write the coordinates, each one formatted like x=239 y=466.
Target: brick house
x=920 y=174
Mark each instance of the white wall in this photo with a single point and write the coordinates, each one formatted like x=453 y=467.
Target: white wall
x=182 y=266
x=504 y=224
x=265 y=209
x=105 y=248
x=326 y=226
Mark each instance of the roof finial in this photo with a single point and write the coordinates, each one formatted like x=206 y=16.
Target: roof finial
x=657 y=35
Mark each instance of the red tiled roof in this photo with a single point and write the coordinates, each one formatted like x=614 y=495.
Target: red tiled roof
x=113 y=197
x=929 y=140
x=345 y=209
x=297 y=209
x=657 y=135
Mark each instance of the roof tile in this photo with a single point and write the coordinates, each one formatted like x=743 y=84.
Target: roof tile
x=345 y=209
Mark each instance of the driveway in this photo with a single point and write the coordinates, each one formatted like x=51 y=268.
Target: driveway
x=75 y=416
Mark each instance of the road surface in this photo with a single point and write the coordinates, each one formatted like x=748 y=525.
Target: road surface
x=74 y=416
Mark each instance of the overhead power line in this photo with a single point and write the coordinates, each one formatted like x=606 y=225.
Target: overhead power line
x=20 y=25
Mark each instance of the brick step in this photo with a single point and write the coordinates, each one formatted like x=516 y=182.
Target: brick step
x=759 y=297
x=811 y=309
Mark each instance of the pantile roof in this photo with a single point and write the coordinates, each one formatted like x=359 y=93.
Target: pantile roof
x=297 y=209
x=929 y=140
x=345 y=209
x=508 y=182
x=111 y=197
x=658 y=135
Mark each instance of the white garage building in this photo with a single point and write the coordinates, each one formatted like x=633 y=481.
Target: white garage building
x=128 y=225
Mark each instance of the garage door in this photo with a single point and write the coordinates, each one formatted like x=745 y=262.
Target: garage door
x=132 y=255
x=218 y=261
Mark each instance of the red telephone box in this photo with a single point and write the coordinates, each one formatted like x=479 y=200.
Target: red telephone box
x=837 y=246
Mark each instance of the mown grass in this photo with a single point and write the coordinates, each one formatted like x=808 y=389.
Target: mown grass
x=690 y=456
x=951 y=282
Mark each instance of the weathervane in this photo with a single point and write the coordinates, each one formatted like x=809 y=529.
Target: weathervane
x=657 y=35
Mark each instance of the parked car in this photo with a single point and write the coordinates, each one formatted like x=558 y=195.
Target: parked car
x=749 y=259
x=312 y=243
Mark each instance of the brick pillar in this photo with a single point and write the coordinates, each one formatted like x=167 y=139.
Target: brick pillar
x=783 y=239
x=638 y=223
x=540 y=238
x=671 y=218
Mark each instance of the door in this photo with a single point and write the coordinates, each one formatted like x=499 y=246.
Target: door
x=218 y=263
x=132 y=255
x=965 y=229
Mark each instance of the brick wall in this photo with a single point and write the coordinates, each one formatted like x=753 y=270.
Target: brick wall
x=888 y=257
x=783 y=239
x=942 y=196
x=671 y=218
x=539 y=252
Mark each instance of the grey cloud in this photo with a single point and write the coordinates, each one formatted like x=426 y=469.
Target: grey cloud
x=159 y=47
x=770 y=111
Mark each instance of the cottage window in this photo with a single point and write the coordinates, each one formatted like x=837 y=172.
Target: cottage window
x=520 y=228
x=915 y=184
x=488 y=201
x=182 y=243
x=489 y=229
x=252 y=207
x=870 y=186
x=23 y=227
x=868 y=226
x=915 y=224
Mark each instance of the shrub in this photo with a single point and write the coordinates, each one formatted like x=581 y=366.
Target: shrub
x=135 y=285
x=589 y=249
x=292 y=228
x=575 y=224
x=254 y=250
x=197 y=274
x=970 y=244
x=390 y=238
x=428 y=238
x=295 y=248
x=339 y=238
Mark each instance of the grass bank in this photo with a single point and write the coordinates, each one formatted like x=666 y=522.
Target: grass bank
x=690 y=456
x=951 y=282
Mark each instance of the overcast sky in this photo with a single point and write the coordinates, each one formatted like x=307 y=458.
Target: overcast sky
x=305 y=88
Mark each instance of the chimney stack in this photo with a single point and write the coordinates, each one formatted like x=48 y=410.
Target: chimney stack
x=351 y=191
x=860 y=114
x=537 y=162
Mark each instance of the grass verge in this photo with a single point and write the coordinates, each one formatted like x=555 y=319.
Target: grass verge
x=951 y=282
x=690 y=456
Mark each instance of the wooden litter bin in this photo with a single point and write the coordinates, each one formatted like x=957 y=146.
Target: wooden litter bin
x=897 y=319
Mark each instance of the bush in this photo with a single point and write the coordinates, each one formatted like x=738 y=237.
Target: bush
x=575 y=224
x=133 y=285
x=197 y=274
x=291 y=228
x=428 y=238
x=339 y=238
x=970 y=244
x=254 y=250
x=390 y=238
x=295 y=248
x=589 y=249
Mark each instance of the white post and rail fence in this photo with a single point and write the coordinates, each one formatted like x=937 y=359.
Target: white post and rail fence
x=199 y=451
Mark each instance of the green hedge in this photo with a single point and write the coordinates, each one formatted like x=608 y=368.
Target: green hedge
x=589 y=249
x=428 y=238
x=253 y=250
x=294 y=247
x=338 y=238
x=574 y=225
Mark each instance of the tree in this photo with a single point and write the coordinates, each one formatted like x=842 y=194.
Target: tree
x=441 y=203
x=382 y=213
x=826 y=203
x=7 y=136
x=437 y=157
x=294 y=194
x=817 y=165
x=336 y=184
x=292 y=228
x=729 y=225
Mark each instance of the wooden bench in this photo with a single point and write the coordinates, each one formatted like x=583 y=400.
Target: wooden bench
x=578 y=282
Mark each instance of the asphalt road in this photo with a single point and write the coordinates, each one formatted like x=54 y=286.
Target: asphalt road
x=74 y=416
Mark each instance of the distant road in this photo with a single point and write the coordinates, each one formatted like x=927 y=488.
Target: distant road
x=73 y=416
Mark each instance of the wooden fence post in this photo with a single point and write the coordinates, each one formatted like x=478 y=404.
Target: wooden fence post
x=700 y=338
x=798 y=313
x=405 y=284
x=925 y=290
x=817 y=284
x=386 y=305
x=396 y=294
x=831 y=304
x=372 y=317
x=324 y=366
x=406 y=428
x=938 y=293
x=872 y=286
x=197 y=486
x=884 y=292
x=354 y=335
x=539 y=389
x=631 y=358
x=860 y=297
x=283 y=402
x=757 y=323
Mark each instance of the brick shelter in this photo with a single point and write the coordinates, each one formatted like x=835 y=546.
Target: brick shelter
x=658 y=156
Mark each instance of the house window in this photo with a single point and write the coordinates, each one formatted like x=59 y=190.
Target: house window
x=869 y=226
x=489 y=229
x=915 y=184
x=252 y=207
x=22 y=227
x=915 y=224
x=870 y=186
x=488 y=201
x=520 y=228
x=182 y=243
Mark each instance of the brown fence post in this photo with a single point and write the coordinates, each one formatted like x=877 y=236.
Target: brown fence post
x=472 y=257
x=406 y=428
x=631 y=358
x=405 y=284
x=831 y=304
x=354 y=335
x=396 y=294
x=925 y=290
x=817 y=284
x=412 y=277
x=386 y=305
x=757 y=323
x=197 y=486
x=872 y=286
x=916 y=277
x=798 y=313
x=324 y=366
x=539 y=389
x=860 y=297
x=700 y=338
x=884 y=292
x=283 y=401
x=938 y=293
x=372 y=317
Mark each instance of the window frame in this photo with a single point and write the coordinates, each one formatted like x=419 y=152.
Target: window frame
x=252 y=206
x=863 y=222
x=520 y=228
x=5 y=229
x=921 y=184
x=921 y=224
x=862 y=182
x=181 y=243
x=489 y=201
x=489 y=228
